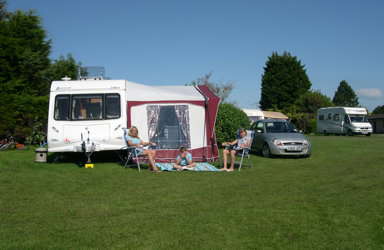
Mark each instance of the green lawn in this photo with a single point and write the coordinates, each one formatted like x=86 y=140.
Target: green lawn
x=333 y=200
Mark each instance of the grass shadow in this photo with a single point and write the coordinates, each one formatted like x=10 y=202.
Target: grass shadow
x=80 y=158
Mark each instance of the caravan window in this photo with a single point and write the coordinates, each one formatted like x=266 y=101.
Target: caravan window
x=336 y=117
x=87 y=107
x=112 y=106
x=168 y=126
x=321 y=117
x=329 y=116
x=62 y=108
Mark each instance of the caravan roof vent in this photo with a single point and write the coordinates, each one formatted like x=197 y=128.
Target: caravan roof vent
x=66 y=78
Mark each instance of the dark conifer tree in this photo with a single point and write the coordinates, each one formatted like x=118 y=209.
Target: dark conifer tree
x=345 y=96
x=283 y=82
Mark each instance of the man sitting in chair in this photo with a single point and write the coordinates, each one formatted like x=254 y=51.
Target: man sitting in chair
x=233 y=148
x=133 y=140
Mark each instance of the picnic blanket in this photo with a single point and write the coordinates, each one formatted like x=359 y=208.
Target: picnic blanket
x=200 y=166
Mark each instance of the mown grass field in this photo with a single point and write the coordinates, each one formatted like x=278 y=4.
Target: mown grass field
x=333 y=200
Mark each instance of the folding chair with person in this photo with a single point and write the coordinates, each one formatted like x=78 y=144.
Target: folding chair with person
x=239 y=147
x=130 y=153
x=245 y=151
x=135 y=149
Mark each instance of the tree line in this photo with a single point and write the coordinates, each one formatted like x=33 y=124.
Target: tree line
x=27 y=72
x=286 y=87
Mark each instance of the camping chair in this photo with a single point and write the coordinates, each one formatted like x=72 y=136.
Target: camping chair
x=244 y=153
x=131 y=153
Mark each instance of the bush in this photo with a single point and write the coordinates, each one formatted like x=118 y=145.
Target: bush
x=229 y=119
x=303 y=121
x=26 y=119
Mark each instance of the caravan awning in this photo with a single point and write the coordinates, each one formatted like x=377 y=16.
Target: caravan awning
x=142 y=93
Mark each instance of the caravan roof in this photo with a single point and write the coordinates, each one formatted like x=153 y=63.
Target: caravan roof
x=88 y=85
x=348 y=110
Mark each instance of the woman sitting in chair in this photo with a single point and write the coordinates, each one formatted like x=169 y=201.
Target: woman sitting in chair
x=133 y=140
x=233 y=148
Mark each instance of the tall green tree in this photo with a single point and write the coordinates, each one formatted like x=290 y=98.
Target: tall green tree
x=59 y=68
x=378 y=110
x=3 y=10
x=283 y=82
x=345 y=96
x=24 y=52
x=26 y=72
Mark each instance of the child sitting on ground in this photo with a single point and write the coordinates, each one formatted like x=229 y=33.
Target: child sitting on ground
x=184 y=160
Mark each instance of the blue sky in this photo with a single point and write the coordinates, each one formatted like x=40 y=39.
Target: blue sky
x=174 y=42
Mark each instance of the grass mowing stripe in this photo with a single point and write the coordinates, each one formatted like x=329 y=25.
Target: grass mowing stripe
x=331 y=200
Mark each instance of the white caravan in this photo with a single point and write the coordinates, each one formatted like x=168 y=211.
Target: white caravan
x=343 y=120
x=90 y=115
x=86 y=111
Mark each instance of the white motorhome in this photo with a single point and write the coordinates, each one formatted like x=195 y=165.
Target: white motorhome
x=343 y=120
x=90 y=115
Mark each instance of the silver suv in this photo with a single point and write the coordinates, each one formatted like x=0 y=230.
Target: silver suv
x=279 y=137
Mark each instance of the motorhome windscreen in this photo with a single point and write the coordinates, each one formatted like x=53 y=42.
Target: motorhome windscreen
x=280 y=127
x=168 y=126
x=87 y=107
x=358 y=118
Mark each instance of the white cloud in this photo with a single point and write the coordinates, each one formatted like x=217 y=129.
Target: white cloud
x=370 y=93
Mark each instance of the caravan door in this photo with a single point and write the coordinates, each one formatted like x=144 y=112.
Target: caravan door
x=337 y=123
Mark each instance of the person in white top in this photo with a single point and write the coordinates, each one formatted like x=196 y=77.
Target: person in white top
x=231 y=148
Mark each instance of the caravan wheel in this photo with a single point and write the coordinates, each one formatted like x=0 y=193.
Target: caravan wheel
x=349 y=132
